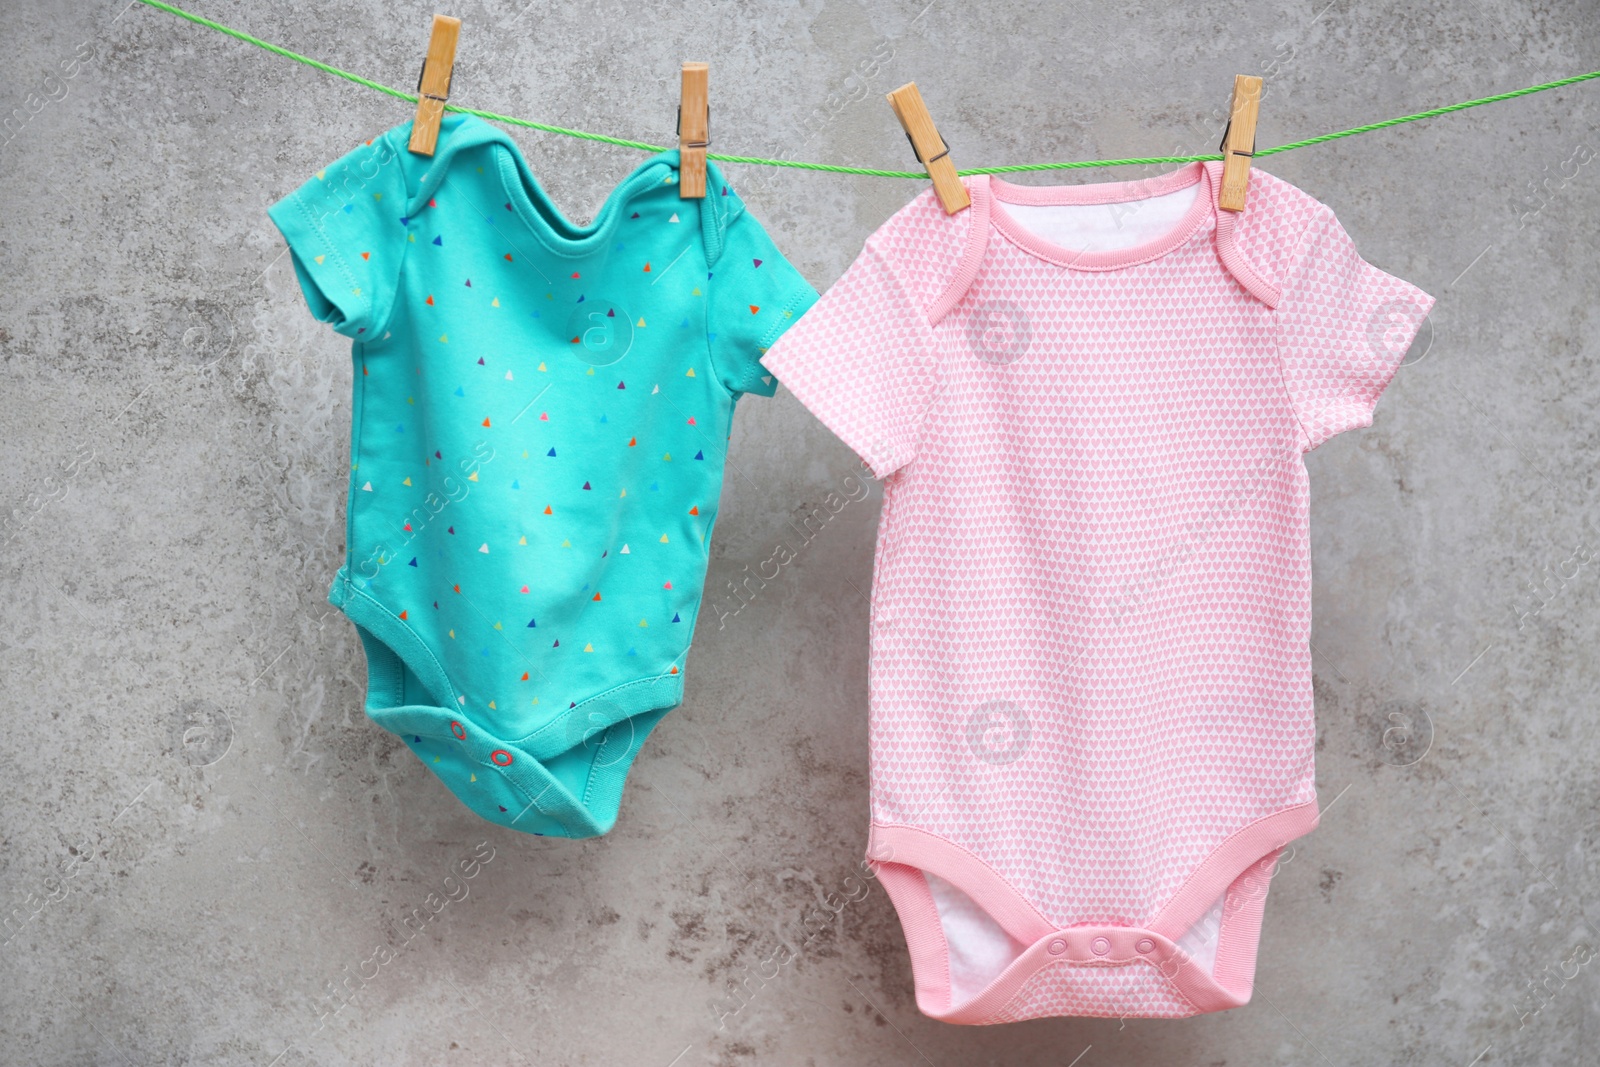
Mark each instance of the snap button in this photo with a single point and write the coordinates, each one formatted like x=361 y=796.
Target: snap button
x=1145 y=945
x=1100 y=945
x=1057 y=947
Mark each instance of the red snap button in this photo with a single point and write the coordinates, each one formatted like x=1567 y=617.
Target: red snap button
x=459 y=730
x=1057 y=947
x=501 y=757
x=1145 y=945
x=1100 y=945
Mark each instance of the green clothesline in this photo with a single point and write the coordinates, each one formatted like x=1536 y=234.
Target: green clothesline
x=832 y=168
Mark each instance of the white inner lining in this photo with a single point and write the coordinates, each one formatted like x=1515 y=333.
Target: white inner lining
x=980 y=948
x=1200 y=940
x=1106 y=227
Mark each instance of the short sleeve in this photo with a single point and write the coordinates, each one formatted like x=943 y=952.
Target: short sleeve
x=1344 y=328
x=755 y=295
x=864 y=361
x=347 y=231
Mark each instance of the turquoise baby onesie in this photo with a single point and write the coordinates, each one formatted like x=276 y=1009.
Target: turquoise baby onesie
x=540 y=419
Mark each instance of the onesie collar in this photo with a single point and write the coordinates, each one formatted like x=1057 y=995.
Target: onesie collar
x=997 y=193
x=990 y=194
x=526 y=198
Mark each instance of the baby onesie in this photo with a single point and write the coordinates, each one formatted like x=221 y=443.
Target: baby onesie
x=540 y=416
x=1090 y=681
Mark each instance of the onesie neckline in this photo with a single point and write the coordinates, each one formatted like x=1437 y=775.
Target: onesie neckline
x=995 y=193
x=527 y=199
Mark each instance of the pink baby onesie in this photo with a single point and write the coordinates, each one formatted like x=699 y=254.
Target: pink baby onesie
x=1090 y=680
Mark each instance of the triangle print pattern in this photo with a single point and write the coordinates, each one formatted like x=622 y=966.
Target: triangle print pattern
x=520 y=547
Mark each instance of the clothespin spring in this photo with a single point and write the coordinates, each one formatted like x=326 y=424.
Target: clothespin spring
x=449 y=80
x=938 y=157
x=694 y=144
x=1223 y=146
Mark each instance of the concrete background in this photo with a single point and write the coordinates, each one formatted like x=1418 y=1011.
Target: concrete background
x=203 y=841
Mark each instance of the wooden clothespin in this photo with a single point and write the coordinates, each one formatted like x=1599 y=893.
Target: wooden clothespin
x=433 y=84
x=694 y=132
x=1239 y=142
x=930 y=147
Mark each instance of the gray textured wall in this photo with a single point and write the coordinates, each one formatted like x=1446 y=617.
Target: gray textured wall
x=174 y=430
